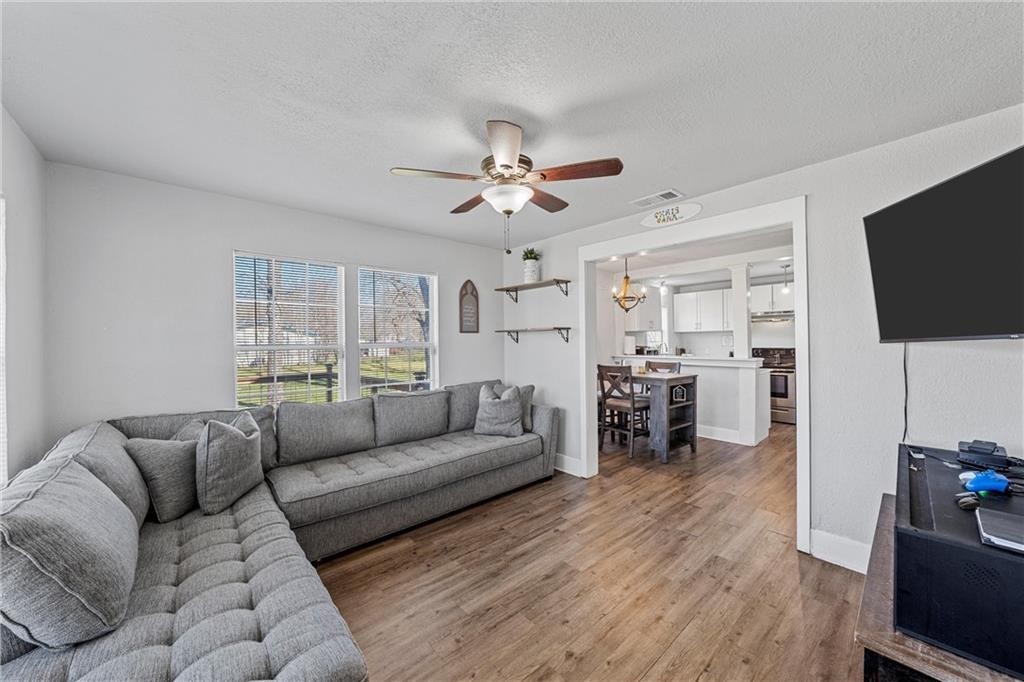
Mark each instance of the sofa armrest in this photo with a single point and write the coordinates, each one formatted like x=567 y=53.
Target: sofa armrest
x=545 y=424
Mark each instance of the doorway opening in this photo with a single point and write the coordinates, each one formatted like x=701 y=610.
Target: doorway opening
x=737 y=386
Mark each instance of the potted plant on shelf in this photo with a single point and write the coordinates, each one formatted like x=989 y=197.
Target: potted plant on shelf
x=531 y=265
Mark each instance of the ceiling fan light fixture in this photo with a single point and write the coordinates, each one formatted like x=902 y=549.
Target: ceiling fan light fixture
x=507 y=199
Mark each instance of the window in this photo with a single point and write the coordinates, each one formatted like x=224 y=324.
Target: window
x=288 y=333
x=396 y=331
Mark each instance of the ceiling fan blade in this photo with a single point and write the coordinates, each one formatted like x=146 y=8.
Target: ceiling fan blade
x=549 y=202
x=469 y=205
x=505 y=139
x=420 y=173
x=577 y=171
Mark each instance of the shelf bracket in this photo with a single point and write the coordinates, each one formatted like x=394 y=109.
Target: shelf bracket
x=514 y=295
x=563 y=331
x=512 y=334
x=563 y=286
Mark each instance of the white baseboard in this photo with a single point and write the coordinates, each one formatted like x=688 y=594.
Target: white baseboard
x=841 y=551
x=718 y=433
x=570 y=465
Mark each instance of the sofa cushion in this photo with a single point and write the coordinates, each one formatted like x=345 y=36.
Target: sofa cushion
x=405 y=417
x=306 y=432
x=526 y=396
x=499 y=415
x=11 y=647
x=99 y=447
x=314 y=491
x=169 y=468
x=69 y=548
x=164 y=426
x=223 y=597
x=463 y=401
x=227 y=462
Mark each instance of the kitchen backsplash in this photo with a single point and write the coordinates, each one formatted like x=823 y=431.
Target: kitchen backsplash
x=714 y=344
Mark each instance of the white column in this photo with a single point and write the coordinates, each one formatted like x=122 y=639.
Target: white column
x=740 y=311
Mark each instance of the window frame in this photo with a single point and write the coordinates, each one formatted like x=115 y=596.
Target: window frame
x=431 y=346
x=340 y=371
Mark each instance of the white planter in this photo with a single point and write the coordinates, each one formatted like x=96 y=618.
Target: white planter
x=531 y=271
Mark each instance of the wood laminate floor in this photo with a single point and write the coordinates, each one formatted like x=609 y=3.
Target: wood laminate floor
x=649 y=571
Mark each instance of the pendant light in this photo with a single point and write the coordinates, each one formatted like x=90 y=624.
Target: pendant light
x=627 y=298
x=785 y=282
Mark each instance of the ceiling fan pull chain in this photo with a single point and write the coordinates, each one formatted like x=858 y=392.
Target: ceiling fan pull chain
x=507 y=250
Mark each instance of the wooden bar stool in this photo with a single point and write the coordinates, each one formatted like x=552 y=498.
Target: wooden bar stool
x=624 y=410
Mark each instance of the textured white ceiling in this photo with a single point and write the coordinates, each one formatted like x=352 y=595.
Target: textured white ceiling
x=309 y=105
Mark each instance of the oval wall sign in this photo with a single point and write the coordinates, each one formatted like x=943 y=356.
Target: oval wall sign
x=670 y=215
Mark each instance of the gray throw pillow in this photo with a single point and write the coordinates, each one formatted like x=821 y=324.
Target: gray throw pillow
x=463 y=402
x=499 y=416
x=169 y=469
x=526 y=396
x=69 y=548
x=227 y=462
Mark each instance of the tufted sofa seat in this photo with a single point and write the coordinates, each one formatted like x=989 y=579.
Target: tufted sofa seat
x=223 y=597
x=326 y=488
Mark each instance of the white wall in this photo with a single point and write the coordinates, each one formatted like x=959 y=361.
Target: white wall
x=958 y=389
x=139 y=280
x=22 y=186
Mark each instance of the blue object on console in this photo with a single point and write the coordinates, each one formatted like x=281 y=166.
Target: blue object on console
x=988 y=481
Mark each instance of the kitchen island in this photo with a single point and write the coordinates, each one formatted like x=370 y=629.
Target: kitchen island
x=735 y=404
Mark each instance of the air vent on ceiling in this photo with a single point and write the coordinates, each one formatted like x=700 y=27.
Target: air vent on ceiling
x=657 y=198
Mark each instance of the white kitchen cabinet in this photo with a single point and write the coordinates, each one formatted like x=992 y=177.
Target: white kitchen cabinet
x=702 y=311
x=684 y=307
x=771 y=298
x=710 y=311
x=781 y=299
x=761 y=298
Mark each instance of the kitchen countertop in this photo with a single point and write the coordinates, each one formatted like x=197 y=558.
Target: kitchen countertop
x=699 y=360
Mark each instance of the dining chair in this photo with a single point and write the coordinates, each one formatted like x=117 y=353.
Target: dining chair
x=659 y=367
x=624 y=410
x=662 y=366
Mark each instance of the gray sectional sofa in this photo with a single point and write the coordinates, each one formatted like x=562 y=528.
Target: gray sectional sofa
x=233 y=595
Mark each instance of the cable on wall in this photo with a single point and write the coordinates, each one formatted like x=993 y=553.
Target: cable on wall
x=906 y=393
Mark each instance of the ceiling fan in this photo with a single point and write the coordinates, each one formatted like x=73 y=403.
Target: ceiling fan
x=511 y=176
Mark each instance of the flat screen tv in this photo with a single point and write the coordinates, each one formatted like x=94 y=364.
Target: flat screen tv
x=948 y=263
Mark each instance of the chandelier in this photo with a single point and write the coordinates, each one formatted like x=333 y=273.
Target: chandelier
x=627 y=297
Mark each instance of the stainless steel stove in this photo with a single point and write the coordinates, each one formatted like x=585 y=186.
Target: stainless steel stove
x=782 y=363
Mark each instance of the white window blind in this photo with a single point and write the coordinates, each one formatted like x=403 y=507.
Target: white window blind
x=288 y=331
x=397 y=351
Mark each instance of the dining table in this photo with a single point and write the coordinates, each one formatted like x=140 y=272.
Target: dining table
x=673 y=413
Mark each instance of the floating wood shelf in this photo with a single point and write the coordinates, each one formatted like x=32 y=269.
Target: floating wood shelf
x=512 y=291
x=514 y=333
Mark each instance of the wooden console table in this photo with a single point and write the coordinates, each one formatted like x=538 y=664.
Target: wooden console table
x=891 y=655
